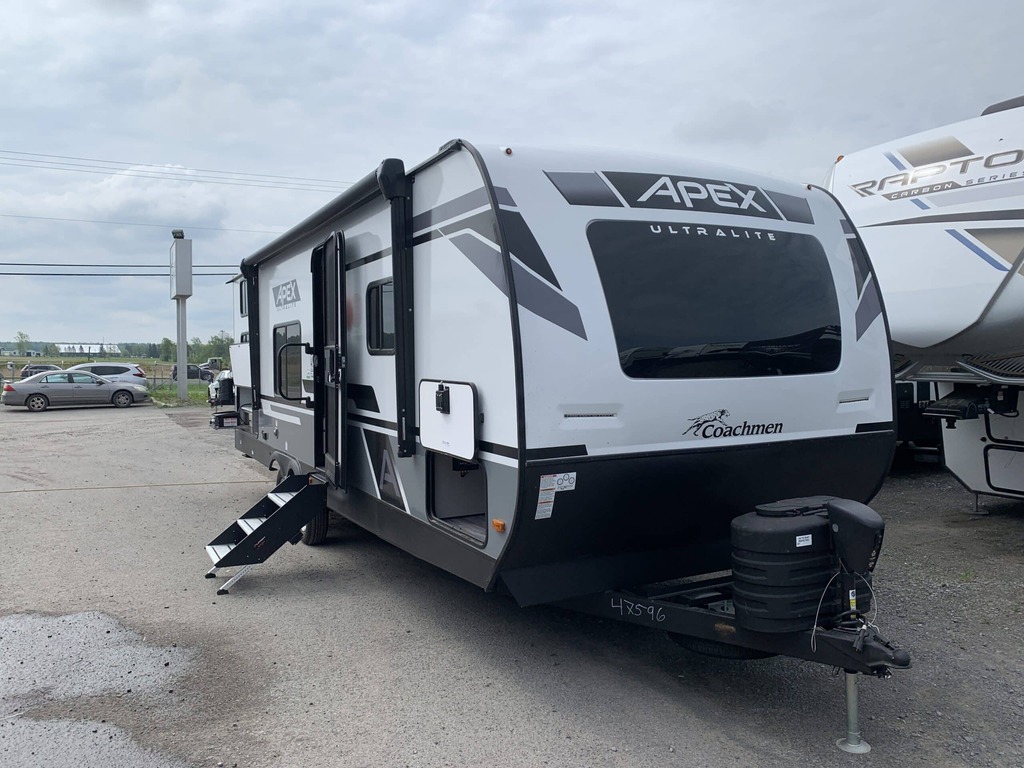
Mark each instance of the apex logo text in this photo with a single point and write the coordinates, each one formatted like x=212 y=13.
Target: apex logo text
x=664 y=191
x=286 y=294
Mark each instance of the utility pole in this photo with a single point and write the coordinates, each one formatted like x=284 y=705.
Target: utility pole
x=181 y=289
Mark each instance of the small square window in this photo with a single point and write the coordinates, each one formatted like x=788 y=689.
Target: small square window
x=380 y=318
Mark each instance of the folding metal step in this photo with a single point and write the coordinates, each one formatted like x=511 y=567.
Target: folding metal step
x=275 y=519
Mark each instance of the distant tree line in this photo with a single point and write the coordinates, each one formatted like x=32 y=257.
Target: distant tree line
x=198 y=350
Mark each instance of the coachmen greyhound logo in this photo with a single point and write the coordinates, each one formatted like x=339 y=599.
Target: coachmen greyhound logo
x=712 y=424
x=286 y=294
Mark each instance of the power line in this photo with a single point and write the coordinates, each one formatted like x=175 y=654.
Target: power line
x=166 y=177
x=153 y=165
x=114 y=274
x=133 y=266
x=140 y=224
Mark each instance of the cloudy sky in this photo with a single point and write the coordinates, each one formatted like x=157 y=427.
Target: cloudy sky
x=263 y=110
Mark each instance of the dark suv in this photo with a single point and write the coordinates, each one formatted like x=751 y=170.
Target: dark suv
x=33 y=368
x=194 y=372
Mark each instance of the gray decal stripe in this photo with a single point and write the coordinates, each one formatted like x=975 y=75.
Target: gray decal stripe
x=847 y=226
x=524 y=245
x=483 y=223
x=356 y=418
x=583 y=188
x=483 y=257
x=934 y=151
x=520 y=240
x=793 y=208
x=504 y=197
x=861 y=269
x=544 y=301
x=869 y=308
x=378 y=255
x=954 y=218
x=363 y=396
x=368 y=259
x=499 y=450
x=455 y=207
x=531 y=293
x=1006 y=242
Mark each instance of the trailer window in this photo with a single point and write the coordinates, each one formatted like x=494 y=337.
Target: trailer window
x=380 y=318
x=243 y=298
x=703 y=301
x=288 y=365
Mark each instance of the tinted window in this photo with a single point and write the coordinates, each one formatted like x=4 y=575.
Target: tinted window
x=702 y=301
x=288 y=364
x=82 y=378
x=108 y=370
x=380 y=317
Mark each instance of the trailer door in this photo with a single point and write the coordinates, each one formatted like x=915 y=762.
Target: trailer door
x=329 y=391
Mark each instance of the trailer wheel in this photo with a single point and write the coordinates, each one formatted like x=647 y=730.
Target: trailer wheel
x=315 y=531
x=718 y=650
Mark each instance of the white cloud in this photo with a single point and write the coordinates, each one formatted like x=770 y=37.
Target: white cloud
x=326 y=89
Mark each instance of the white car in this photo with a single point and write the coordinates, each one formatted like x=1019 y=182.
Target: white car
x=129 y=373
x=222 y=389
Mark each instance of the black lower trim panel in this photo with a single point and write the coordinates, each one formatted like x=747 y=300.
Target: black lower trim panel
x=632 y=520
x=423 y=540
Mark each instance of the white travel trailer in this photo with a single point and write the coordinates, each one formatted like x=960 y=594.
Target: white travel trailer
x=562 y=375
x=942 y=215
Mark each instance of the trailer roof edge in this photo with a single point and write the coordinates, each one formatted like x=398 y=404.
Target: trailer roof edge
x=363 y=190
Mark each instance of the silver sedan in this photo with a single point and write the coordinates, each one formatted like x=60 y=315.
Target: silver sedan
x=60 y=388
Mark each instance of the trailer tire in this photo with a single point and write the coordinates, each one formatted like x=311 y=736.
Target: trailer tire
x=718 y=650
x=315 y=531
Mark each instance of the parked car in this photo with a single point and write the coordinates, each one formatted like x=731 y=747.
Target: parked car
x=33 y=368
x=213 y=364
x=39 y=392
x=194 y=372
x=129 y=373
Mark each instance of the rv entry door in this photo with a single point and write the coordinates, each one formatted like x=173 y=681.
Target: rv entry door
x=329 y=332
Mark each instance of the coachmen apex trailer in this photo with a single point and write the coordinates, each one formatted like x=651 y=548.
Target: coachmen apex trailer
x=563 y=375
x=941 y=214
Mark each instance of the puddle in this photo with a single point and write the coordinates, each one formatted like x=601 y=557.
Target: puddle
x=47 y=660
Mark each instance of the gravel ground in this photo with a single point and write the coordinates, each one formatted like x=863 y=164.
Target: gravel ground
x=115 y=651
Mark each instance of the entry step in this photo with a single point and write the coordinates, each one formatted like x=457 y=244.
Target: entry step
x=274 y=520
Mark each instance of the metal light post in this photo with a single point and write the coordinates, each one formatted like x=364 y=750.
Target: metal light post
x=181 y=289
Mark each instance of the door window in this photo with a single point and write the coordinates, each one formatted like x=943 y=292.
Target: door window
x=288 y=363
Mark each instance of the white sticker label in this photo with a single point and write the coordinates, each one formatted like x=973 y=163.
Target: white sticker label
x=549 y=486
x=566 y=481
x=804 y=541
